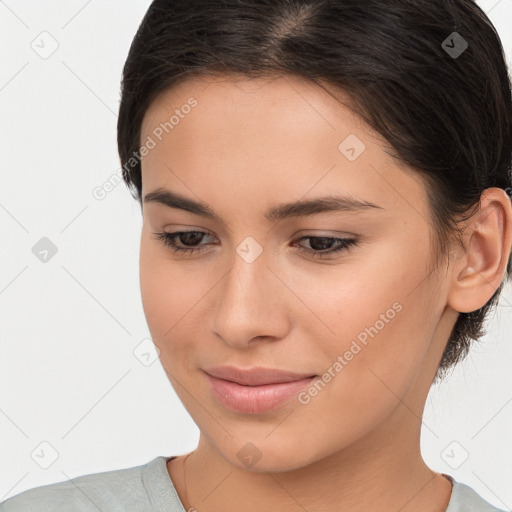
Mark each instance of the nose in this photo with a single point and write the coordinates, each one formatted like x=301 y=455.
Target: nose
x=251 y=304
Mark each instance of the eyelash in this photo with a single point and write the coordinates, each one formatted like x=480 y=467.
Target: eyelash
x=168 y=240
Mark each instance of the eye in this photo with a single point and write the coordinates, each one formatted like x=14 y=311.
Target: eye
x=186 y=238
x=321 y=245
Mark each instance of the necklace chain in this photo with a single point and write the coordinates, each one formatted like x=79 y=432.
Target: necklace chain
x=185 y=477
x=187 y=503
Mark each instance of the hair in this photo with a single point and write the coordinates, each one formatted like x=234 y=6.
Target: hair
x=446 y=116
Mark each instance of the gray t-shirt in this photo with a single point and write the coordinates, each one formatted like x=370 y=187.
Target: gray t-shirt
x=148 y=488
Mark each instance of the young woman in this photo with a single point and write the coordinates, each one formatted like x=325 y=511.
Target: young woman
x=325 y=188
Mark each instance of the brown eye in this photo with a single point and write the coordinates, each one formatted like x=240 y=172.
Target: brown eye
x=321 y=246
x=186 y=238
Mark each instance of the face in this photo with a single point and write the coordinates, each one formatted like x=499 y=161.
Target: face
x=347 y=296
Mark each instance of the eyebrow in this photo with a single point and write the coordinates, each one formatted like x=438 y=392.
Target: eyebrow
x=301 y=208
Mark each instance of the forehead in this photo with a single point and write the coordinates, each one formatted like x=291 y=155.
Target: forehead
x=292 y=100
x=282 y=133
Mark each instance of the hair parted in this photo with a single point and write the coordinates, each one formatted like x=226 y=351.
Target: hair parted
x=448 y=118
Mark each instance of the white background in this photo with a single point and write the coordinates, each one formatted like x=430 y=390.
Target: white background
x=68 y=327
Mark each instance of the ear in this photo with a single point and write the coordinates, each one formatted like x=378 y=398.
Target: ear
x=480 y=266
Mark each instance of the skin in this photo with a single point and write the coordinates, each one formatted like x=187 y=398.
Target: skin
x=355 y=446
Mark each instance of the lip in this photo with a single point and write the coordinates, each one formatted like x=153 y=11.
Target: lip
x=256 y=390
x=256 y=376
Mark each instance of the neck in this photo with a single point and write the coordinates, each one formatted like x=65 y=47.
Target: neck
x=383 y=471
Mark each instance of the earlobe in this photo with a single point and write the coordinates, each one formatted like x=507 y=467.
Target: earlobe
x=487 y=242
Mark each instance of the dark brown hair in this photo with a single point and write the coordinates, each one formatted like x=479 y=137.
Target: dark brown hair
x=445 y=109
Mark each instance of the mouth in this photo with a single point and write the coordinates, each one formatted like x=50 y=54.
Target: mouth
x=256 y=390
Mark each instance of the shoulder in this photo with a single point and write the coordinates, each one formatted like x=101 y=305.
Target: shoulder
x=465 y=499
x=117 y=490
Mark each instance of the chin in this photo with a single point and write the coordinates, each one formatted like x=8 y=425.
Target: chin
x=267 y=455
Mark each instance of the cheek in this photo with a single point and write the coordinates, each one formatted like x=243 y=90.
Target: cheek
x=380 y=325
x=168 y=295
x=370 y=367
